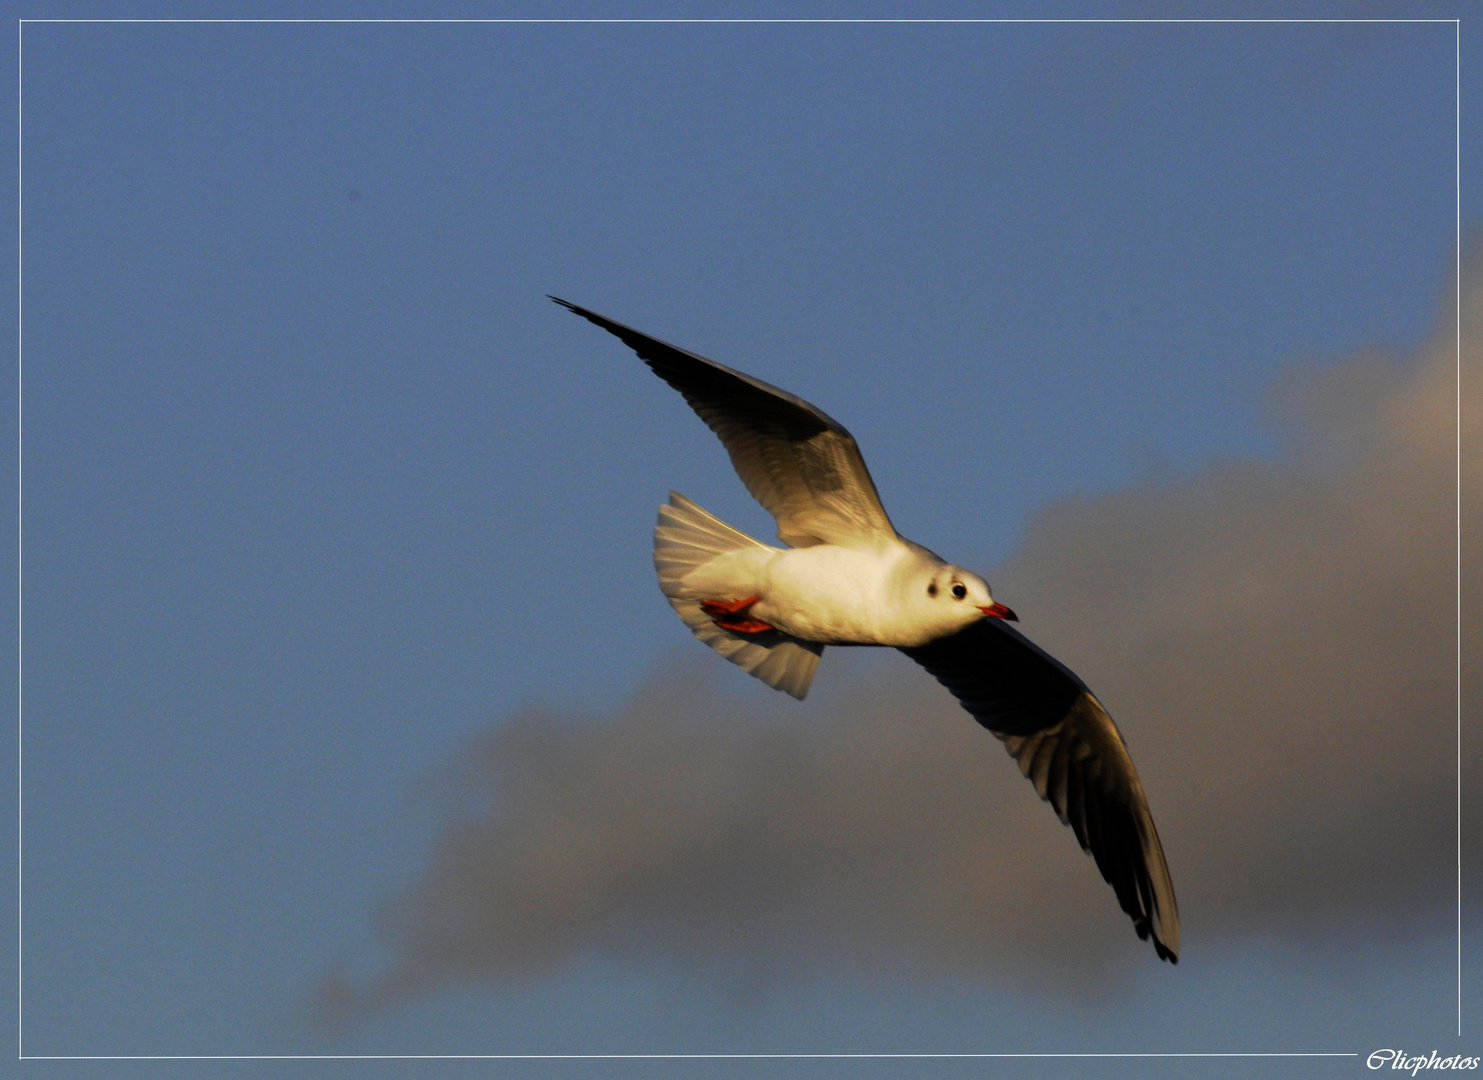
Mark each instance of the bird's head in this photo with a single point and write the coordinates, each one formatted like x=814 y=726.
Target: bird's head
x=956 y=598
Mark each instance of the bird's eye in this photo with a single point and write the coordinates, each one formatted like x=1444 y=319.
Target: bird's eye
x=932 y=589
x=959 y=590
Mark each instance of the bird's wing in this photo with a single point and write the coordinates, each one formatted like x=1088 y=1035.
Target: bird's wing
x=802 y=466
x=1070 y=749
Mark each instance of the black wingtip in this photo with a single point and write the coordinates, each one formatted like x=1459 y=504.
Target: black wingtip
x=1145 y=932
x=593 y=317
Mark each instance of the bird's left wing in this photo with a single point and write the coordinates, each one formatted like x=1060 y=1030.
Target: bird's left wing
x=1070 y=749
x=800 y=464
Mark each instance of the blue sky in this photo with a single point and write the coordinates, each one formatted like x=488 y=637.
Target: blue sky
x=320 y=489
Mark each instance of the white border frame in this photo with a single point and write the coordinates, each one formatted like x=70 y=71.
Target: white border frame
x=20 y=562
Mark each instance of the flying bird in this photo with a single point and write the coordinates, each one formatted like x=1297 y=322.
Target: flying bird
x=847 y=577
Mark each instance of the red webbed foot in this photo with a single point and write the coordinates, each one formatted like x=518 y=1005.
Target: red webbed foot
x=727 y=607
x=723 y=612
x=744 y=626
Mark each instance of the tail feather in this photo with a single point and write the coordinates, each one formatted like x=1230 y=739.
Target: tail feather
x=687 y=538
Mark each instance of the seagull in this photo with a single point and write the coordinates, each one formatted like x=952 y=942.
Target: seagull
x=847 y=577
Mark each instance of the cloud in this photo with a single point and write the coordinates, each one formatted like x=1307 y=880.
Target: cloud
x=1276 y=639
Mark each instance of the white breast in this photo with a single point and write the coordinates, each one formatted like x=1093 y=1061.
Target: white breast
x=835 y=595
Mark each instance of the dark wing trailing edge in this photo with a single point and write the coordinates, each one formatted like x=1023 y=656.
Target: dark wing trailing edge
x=1070 y=749
x=802 y=466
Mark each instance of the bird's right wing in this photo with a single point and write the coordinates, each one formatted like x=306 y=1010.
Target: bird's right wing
x=802 y=466
x=1069 y=748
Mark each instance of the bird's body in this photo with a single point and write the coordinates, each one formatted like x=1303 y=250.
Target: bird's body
x=830 y=594
x=848 y=578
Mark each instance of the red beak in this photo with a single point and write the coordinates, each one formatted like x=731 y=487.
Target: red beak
x=1000 y=611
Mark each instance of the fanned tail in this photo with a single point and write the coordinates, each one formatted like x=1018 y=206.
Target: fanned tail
x=687 y=538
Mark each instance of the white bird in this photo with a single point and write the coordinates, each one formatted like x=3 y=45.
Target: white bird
x=848 y=578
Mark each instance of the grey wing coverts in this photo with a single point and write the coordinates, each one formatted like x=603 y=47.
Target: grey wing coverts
x=800 y=464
